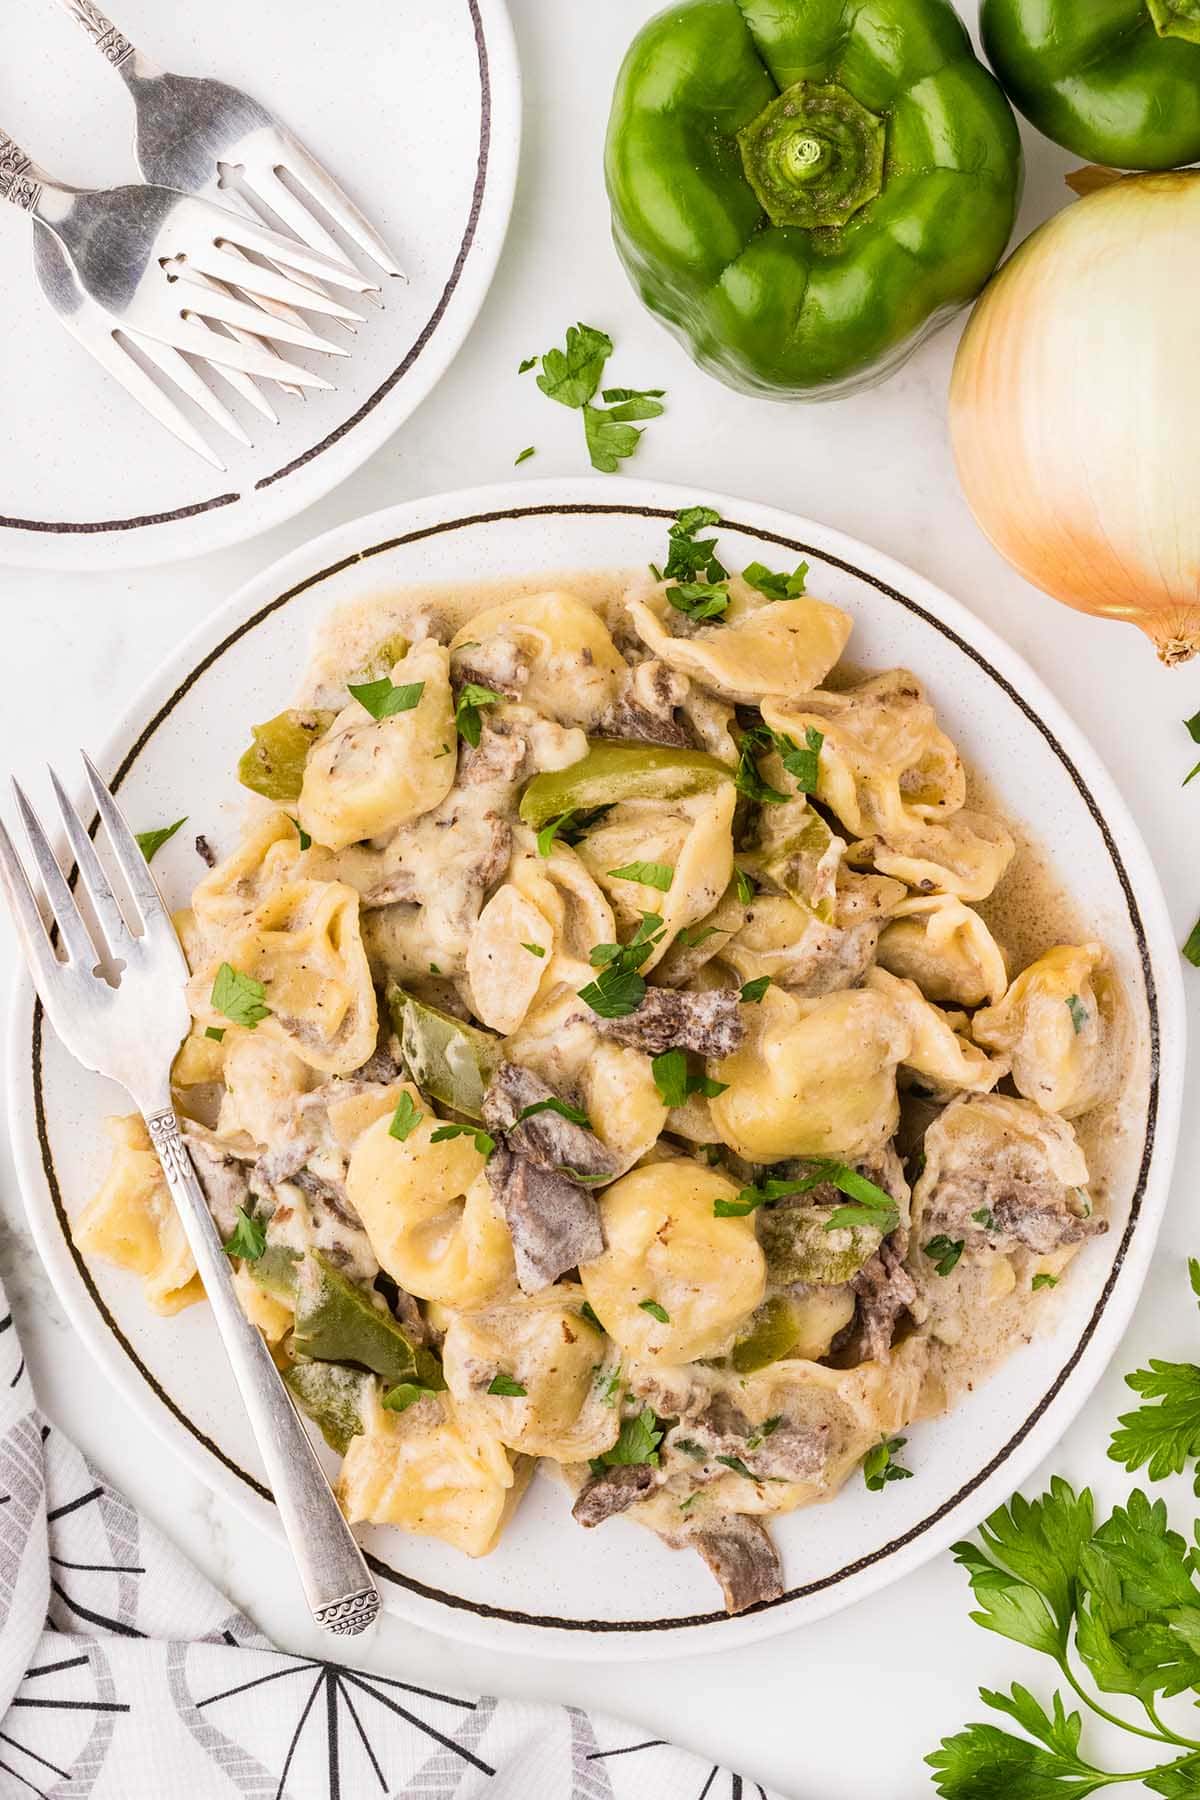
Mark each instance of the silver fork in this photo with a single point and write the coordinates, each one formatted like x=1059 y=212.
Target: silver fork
x=190 y=130
x=150 y=256
x=130 y=1033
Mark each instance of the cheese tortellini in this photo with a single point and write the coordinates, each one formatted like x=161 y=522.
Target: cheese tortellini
x=675 y=1281
x=1062 y=1025
x=944 y=947
x=428 y=1210
x=782 y=647
x=568 y=667
x=132 y=1222
x=687 y=842
x=367 y=775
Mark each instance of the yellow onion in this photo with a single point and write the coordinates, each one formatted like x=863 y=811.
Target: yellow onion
x=1075 y=408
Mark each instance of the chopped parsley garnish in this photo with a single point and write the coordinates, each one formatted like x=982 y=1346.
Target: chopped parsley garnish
x=985 y=1218
x=1078 y=1012
x=872 y=1206
x=305 y=840
x=690 y=557
x=1162 y=1438
x=637 y=1443
x=383 y=701
x=239 y=997
x=1193 y=729
x=151 y=842
x=619 y=989
x=690 y=1447
x=505 y=1385
x=610 y=433
x=746 y=886
x=675 y=1082
x=776 y=587
x=649 y=874
x=746 y=778
x=215 y=1032
x=1044 y=1281
x=879 y=1466
x=555 y=1105
x=656 y=1311
x=613 y=396
x=571 y=376
x=526 y=363
x=767 y=1429
x=569 y=826
x=248 y=1239
x=753 y=991
x=1191 y=949
x=699 y=600
x=608 y=1385
x=692 y=936
x=466 y=713
x=524 y=455
x=405 y=1394
x=587 y=1313
x=803 y=765
x=485 y=1143
x=535 y=949
x=406 y=1118
x=687 y=1505
x=737 y=1465
x=944 y=1252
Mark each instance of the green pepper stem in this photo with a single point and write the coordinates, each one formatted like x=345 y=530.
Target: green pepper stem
x=814 y=156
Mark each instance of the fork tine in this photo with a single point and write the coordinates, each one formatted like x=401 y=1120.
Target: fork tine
x=247 y=234
x=133 y=865
x=179 y=370
x=261 y=181
x=231 y=311
x=194 y=338
x=91 y=872
x=269 y=284
x=337 y=203
x=27 y=918
x=112 y=355
x=74 y=933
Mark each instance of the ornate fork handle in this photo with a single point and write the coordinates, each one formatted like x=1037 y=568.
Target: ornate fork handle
x=340 y=1591
x=111 y=42
x=21 y=180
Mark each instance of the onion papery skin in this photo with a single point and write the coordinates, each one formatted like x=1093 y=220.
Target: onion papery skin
x=1075 y=408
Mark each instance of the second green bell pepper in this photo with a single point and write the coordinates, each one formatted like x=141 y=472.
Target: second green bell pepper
x=1116 y=81
x=804 y=189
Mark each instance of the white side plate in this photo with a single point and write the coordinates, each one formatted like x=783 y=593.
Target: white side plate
x=550 y=1588
x=413 y=105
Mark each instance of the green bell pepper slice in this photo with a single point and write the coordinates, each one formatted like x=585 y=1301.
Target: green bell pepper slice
x=804 y=189
x=1116 y=81
x=613 y=771
x=332 y=1396
x=771 y=1334
x=450 y=1061
x=337 y=1322
x=274 y=764
x=798 y=1247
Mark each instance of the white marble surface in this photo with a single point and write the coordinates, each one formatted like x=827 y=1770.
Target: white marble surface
x=790 y=1711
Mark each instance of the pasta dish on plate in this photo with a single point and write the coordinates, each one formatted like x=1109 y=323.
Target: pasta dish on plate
x=603 y=1053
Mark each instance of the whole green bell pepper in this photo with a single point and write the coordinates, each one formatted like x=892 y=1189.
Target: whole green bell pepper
x=1116 y=81
x=804 y=189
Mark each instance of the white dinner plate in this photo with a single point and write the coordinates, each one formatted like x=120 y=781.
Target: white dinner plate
x=413 y=105
x=550 y=1587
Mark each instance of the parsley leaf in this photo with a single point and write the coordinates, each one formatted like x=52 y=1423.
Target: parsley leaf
x=1078 y=1012
x=776 y=587
x=1191 y=949
x=151 y=842
x=570 y=826
x=699 y=600
x=689 y=557
x=586 y=1312
x=524 y=455
x=383 y=701
x=737 y=1465
x=535 y=949
x=614 y=395
x=405 y=1394
x=692 y=936
x=305 y=840
x=526 y=363
x=872 y=1206
x=239 y=997
x=1162 y=1438
x=1040 y=1281
x=746 y=778
x=466 y=713
x=879 y=1466
x=675 y=1082
x=609 y=439
x=656 y=1311
x=485 y=1143
x=505 y=1385
x=1193 y=730
x=638 y=1443
x=802 y=764
x=406 y=1118
x=215 y=1032
x=753 y=991
x=985 y=1218
x=571 y=376
x=555 y=1105
x=616 y=993
x=746 y=886
x=944 y=1253
x=248 y=1239
x=650 y=874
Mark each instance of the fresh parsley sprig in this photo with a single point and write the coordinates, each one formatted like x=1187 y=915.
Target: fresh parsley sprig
x=675 y=1081
x=1162 y=1436
x=466 y=714
x=383 y=701
x=619 y=989
x=637 y=1442
x=880 y=1465
x=241 y=998
x=776 y=587
x=572 y=375
x=151 y=842
x=870 y=1205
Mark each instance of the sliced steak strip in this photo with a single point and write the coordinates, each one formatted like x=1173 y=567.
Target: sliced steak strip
x=547 y=1139
x=710 y=1024
x=606 y=1495
x=793 y=1451
x=1041 y=1226
x=555 y=1224
x=741 y=1555
x=885 y=1291
x=224 y=1178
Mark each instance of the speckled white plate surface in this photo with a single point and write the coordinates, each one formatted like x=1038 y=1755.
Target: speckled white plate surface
x=550 y=1588
x=413 y=105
